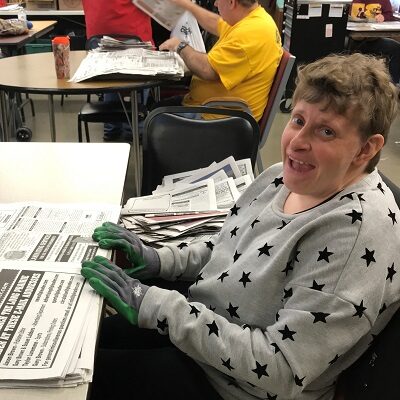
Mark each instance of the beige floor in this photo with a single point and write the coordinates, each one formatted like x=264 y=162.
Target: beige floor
x=66 y=121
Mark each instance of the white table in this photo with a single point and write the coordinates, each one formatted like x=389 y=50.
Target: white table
x=360 y=30
x=61 y=173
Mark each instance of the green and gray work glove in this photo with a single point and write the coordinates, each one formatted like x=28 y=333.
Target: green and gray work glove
x=144 y=259
x=124 y=293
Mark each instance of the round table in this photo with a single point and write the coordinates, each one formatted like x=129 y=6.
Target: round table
x=35 y=73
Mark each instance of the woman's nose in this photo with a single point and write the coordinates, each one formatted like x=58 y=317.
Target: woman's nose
x=301 y=140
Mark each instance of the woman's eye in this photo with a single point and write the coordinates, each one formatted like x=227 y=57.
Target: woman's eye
x=328 y=133
x=297 y=121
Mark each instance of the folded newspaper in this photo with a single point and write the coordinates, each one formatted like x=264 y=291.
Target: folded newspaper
x=181 y=23
x=108 y=43
x=188 y=206
x=164 y=12
x=129 y=64
x=48 y=313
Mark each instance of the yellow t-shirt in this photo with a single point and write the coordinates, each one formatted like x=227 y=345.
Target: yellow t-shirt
x=245 y=57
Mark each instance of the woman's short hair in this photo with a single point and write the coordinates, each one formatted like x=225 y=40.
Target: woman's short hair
x=355 y=85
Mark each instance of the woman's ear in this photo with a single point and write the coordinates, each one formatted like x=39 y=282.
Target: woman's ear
x=369 y=149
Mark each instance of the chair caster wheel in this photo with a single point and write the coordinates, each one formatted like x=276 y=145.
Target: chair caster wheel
x=285 y=105
x=24 y=134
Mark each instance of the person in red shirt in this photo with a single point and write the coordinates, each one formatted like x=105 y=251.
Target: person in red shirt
x=108 y=17
x=116 y=17
x=377 y=11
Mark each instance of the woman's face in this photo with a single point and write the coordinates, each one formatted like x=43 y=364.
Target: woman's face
x=319 y=149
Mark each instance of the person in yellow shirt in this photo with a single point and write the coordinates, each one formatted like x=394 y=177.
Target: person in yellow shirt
x=243 y=61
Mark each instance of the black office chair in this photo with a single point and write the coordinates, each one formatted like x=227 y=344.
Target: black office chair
x=97 y=111
x=375 y=375
x=173 y=143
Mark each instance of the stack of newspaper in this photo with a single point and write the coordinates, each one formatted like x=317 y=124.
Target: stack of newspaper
x=188 y=206
x=129 y=63
x=48 y=313
x=108 y=43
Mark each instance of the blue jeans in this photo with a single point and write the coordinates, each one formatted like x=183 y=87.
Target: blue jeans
x=117 y=129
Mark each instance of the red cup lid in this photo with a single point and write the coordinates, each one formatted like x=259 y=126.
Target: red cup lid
x=61 y=40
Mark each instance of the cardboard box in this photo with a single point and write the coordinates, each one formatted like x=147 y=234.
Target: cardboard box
x=41 y=5
x=70 y=5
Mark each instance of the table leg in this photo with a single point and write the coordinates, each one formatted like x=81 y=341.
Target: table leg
x=5 y=135
x=135 y=143
x=52 y=118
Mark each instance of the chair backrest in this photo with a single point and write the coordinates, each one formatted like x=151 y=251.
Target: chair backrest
x=173 y=143
x=274 y=98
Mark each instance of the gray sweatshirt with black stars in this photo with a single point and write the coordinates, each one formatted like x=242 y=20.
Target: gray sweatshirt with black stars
x=280 y=303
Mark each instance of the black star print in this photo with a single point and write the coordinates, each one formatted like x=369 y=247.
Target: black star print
x=194 y=310
x=392 y=215
x=232 y=382
x=182 y=245
x=277 y=316
x=227 y=364
x=213 y=328
x=379 y=186
x=271 y=397
x=254 y=222
x=276 y=348
x=355 y=216
x=359 y=309
x=298 y=381
x=232 y=311
x=210 y=245
x=283 y=224
x=277 y=181
x=264 y=250
x=199 y=278
x=319 y=317
x=334 y=359
x=287 y=293
x=234 y=230
x=383 y=308
x=287 y=333
x=369 y=256
x=360 y=196
x=391 y=272
x=324 y=255
x=162 y=325
x=234 y=210
x=260 y=370
x=223 y=275
x=236 y=256
x=347 y=196
x=288 y=268
x=253 y=201
x=315 y=286
x=245 y=278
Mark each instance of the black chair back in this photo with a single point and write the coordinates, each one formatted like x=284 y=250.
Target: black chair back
x=173 y=143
